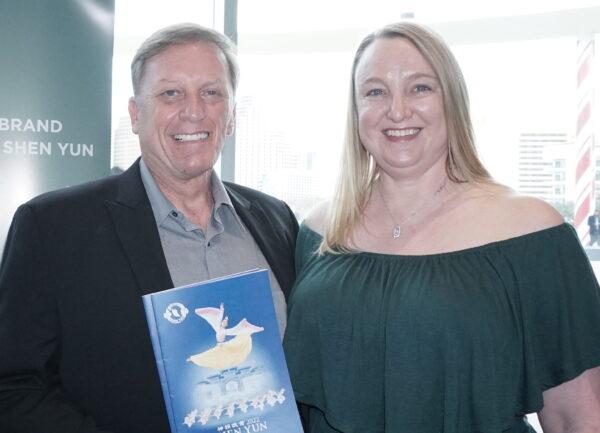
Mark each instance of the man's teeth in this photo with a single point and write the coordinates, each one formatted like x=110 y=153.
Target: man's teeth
x=401 y=132
x=191 y=137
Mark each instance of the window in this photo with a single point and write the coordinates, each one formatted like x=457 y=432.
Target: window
x=296 y=62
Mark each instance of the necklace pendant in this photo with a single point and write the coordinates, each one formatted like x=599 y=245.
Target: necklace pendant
x=397 y=232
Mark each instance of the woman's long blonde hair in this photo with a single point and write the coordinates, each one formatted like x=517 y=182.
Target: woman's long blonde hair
x=358 y=169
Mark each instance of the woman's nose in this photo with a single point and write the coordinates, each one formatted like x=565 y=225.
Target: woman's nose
x=399 y=108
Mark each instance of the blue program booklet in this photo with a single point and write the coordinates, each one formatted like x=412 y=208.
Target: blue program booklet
x=219 y=357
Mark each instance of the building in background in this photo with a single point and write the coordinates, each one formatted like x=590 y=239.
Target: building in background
x=547 y=169
x=126 y=147
x=266 y=160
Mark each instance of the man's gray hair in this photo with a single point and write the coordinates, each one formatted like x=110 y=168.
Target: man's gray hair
x=180 y=34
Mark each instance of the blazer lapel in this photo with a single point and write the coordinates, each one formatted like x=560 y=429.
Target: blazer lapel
x=267 y=239
x=135 y=225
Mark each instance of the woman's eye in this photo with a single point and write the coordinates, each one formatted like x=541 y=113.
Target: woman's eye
x=422 y=88
x=375 y=92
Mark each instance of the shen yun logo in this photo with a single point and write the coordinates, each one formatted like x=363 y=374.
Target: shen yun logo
x=176 y=313
x=232 y=391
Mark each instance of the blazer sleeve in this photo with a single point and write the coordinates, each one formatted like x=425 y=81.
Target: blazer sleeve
x=31 y=399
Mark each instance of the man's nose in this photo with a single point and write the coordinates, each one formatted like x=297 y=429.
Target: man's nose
x=194 y=109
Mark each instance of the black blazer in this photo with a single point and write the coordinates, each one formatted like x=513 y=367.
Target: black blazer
x=75 y=354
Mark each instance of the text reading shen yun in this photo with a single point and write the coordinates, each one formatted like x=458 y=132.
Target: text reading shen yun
x=39 y=147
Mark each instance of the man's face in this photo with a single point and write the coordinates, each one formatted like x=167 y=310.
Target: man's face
x=184 y=111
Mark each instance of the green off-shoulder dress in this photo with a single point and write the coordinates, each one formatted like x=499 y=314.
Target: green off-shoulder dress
x=458 y=342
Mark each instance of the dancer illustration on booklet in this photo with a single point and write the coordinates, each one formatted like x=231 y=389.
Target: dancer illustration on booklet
x=225 y=354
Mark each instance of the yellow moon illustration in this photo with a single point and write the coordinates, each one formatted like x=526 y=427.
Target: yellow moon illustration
x=225 y=355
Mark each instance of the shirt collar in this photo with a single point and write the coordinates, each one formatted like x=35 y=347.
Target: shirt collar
x=162 y=207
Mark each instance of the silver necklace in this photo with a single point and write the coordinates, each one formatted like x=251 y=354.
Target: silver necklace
x=398 y=226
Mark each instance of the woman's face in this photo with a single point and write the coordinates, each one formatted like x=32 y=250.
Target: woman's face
x=400 y=109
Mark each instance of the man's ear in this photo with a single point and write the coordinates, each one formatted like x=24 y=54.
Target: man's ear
x=133 y=114
x=231 y=124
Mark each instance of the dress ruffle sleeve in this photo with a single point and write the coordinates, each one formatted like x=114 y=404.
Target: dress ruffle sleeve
x=560 y=310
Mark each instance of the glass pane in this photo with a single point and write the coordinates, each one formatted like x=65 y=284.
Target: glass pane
x=520 y=67
x=523 y=110
x=290 y=124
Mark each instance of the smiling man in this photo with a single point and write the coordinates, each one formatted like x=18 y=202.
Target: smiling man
x=76 y=354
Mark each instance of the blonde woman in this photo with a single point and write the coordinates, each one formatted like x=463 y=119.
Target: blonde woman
x=431 y=299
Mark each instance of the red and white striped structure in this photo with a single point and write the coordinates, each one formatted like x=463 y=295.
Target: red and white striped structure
x=585 y=202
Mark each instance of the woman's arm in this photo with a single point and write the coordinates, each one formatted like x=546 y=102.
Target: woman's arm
x=573 y=406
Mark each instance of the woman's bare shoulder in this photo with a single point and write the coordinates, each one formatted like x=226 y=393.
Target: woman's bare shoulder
x=512 y=214
x=317 y=217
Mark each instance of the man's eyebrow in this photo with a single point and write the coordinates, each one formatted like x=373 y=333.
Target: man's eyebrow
x=213 y=82
x=175 y=81
x=166 y=80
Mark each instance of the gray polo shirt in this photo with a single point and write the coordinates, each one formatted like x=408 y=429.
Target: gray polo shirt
x=227 y=247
